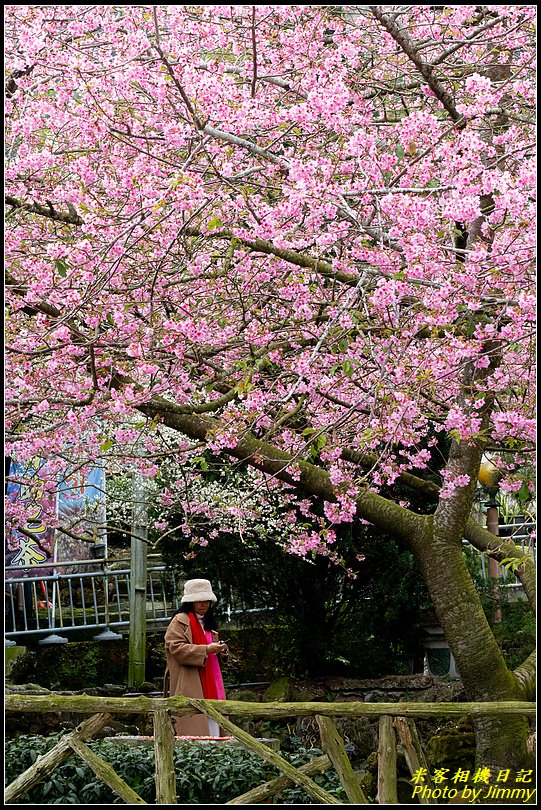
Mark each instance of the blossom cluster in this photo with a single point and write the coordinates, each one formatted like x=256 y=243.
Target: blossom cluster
x=261 y=224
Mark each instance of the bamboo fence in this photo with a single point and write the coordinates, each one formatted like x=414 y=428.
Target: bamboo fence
x=395 y=720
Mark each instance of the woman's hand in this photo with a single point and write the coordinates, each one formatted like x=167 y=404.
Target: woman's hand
x=215 y=647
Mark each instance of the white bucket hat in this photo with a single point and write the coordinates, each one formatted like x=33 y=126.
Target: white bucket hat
x=198 y=590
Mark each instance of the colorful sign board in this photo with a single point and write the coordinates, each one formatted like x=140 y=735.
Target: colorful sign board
x=31 y=549
x=79 y=507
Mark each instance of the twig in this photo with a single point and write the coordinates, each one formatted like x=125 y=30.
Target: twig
x=254 y=52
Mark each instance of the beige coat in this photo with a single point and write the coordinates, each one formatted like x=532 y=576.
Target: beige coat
x=184 y=659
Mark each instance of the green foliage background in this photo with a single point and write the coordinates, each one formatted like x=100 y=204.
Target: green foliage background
x=204 y=774
x=334 y=624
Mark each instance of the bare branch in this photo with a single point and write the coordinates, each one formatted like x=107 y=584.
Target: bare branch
x=254 y=54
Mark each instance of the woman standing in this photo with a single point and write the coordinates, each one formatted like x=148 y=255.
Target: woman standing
x=193 y=657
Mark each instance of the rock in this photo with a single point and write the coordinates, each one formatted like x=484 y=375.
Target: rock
x=112 y=689
x=278 y=692
x=453 y=747
x=367 y=782
x=21 y=688
x=106 y=731
x=301 y=695
x=51 y=719
x=246 y=695
x=441 y=691
x=360 y=733
x=147 y=686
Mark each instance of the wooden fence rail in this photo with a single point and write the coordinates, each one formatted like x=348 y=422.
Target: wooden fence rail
x=163 y=709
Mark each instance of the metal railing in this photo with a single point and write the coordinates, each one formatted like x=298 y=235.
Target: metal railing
x=84 y=600
x=99 y=599
x=73 y=600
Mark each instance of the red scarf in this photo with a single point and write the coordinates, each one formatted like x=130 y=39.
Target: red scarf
x=207 y=679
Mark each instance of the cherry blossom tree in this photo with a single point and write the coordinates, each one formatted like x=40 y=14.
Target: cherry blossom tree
x=296 y=236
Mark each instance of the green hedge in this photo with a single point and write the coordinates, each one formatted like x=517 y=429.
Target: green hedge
x=516 y=632
x=204 y=774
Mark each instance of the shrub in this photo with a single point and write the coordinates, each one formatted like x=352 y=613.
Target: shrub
x=204 y=774
x=516 y=632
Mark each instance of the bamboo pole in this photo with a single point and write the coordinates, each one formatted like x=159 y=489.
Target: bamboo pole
x=334 y=747
x=138 y=585
x=414 y=755
x=166 y=787
x=268 y=789
x=179 y=705
x=387 y=787
x=307 y=784
x=46 y=763
x=106 y=773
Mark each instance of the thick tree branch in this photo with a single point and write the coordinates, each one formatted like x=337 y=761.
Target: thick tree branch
x=11 y=83
x=464 y=460
x=322 y=267
x=49 y=211
x=526 y=675
x=313 y=480
x=428 y=489
x=425 y=69
x=501 y=549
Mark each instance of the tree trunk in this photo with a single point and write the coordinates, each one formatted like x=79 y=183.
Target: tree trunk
x=501 y=743
x=483 y=670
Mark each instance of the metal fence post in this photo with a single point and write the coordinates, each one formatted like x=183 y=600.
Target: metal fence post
x=138 y=586
x=493 y=519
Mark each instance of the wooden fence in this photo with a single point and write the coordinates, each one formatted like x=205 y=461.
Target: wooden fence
x=395 y=720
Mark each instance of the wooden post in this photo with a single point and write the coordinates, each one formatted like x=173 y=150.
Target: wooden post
x=307 y=784
x=334 y=747
x=106 y=773
x=268 y=789
x=387 y=785
x=46 y=763
x=493 y=521
x=414 y=753
x=164 y=739
x=138 y=586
